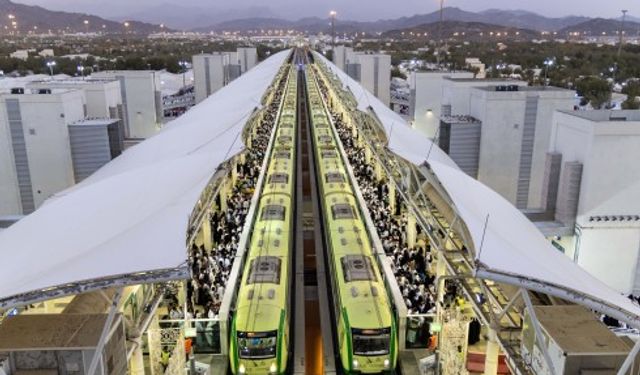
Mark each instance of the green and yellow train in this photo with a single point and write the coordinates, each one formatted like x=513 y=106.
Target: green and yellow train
x=366 y=331
x=259 y=339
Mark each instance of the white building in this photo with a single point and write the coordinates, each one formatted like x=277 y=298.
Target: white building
x=21 y=54
x=595 y=174
x=141 y=100
x=475 y=63
x=47 y=52
x=515 y=135
x=212 y=71
x=342 y=55
x=456 y=92
x=245 y=57
x=375 y=75
x=35 y=153
x=426 y=98
x=103 y=96
x=210 y=74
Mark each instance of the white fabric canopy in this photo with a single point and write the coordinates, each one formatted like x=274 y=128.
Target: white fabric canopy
x=512 y=244
x=132 y=215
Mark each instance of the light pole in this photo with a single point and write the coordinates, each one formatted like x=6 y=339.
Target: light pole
x=86 y=26
x=624 y=15
x=183 y=64
x=333 y=15
x=51 y=64
x=81 y=71
x=547 y=63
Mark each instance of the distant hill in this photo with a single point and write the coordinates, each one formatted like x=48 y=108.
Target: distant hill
x=507 y=18
x=464 y=30
x=597 y=26
x=27 y=17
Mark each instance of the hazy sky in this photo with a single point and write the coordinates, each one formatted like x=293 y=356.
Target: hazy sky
x=353 y=9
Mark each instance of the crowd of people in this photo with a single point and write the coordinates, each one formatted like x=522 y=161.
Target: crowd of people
x=210 y=268
x=410 y=265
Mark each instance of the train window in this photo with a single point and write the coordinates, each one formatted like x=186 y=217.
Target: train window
x=334 y=177
x=279 y=178
x=272 y=212
x=325 y=139
x=265 y=269
x=357 y=268
x=283 y=155
x=343 y=211
x=257 y=345
x=329 y=154
x=371 y=342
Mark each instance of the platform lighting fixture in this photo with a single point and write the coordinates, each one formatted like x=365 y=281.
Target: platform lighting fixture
x=184 y=65
x=547 y=64
x=333 y=15
x=50 y=65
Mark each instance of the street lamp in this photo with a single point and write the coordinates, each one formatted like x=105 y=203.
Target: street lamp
x=86 y=26
x=81 y=70
x=547 y=63
x=51 y=64
x=183 y=64
x=333 y=15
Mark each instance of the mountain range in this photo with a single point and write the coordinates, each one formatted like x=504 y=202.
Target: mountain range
x=188 y=17
x=30 y=17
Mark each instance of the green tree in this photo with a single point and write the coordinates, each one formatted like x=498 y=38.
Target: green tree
x=632 y=89
x=594 y=90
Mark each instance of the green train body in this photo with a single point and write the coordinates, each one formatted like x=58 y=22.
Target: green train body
x=259 y=339
x=366 y=331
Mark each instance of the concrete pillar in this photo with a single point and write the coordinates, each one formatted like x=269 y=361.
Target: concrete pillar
x=491 y=354
x=411 y=229
x=377 y=169
x=136 y=364
x=234 y=173
x=207 y=238
x=223 y=197
x=392 y=196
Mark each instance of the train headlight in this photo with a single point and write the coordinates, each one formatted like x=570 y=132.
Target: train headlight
x=241 y=369
x=273 y=368
x=386 y=363
x=356 y=364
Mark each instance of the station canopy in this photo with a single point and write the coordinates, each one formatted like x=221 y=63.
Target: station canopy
x=511 y=246
x=132 y=215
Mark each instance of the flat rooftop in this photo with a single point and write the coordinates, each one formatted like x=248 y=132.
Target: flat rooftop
x=460 y=119
x=51 y=331
x=576 y=330
x=492 y=88
x=95 y=122
x=510 y=81
x=606 y=115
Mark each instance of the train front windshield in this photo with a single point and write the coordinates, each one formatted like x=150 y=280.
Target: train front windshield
x=371 y=342
x=257 y=345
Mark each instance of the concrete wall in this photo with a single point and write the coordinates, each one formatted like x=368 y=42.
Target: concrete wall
x=510 y=119
x=375 y=75
x=610 y=187
x=209 y=74
x=44 y=121
x=456 y=90
x=427 y=91
x=140 y=93
x=341 y=55
x=10 y=203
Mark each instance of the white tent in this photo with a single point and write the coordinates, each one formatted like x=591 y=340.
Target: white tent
x=131 y=216
x=512 y=247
